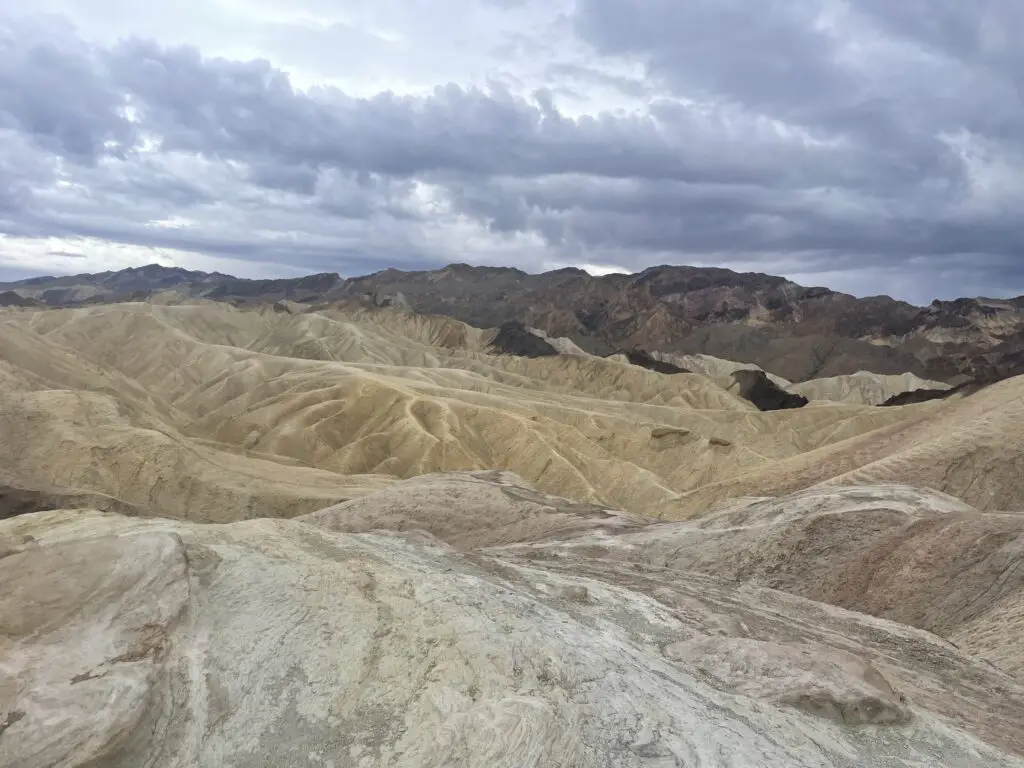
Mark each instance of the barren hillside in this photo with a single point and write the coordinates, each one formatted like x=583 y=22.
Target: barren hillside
x=176 y=408
x=234 y=505
x=790 y=330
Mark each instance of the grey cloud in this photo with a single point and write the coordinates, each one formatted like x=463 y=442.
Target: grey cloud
x=137 y=200
x=143 y=179
x=249 y=111
x=984 y=32
x=15 y=196
x=54 y=91
x=293 y=178
x=763 y=52
x=774 y=59
x=631 y=86
x=764 y=138
x=888 y=81
x=977 y=81
x=324 y=256
x=361 y=194
x=22 y=169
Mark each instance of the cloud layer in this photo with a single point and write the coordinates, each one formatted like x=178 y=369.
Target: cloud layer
x=872 y=146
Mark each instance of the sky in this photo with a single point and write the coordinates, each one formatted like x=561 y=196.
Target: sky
x=871 y=146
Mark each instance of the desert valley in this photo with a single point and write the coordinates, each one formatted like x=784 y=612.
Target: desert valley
x=334 y=523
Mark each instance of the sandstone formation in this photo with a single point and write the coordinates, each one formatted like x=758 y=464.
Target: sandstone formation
x=969 y=446
x=521 y=642
x=715 y=368
x=914 y=556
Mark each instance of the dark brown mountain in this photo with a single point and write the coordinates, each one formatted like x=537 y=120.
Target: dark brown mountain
x=790 y=330
x=13 y=299
x=645 y=360
x=513 y=338
x=756 y=387
x=924 y=395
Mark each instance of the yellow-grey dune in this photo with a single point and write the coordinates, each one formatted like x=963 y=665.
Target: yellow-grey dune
x=179 y=408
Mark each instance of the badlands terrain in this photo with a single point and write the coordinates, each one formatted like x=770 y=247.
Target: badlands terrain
x=789 y=330
x=348 y=533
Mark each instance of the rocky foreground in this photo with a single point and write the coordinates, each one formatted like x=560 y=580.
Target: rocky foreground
x=468 y=620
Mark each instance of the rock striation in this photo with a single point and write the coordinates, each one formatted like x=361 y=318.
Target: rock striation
x=134 y=641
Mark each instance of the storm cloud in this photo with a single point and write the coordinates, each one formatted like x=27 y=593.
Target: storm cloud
x=870 y=146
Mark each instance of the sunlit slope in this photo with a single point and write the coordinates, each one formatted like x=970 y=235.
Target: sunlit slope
x=82 y=440
x=863 y=388
x=969 y=447
x=386 y=393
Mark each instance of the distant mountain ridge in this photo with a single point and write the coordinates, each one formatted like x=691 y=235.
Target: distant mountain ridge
x=790 y=330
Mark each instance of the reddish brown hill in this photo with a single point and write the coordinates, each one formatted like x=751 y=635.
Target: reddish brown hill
x=790 y=330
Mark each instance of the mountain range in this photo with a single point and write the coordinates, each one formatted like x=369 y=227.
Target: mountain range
x=318 y=522
x=789 y=330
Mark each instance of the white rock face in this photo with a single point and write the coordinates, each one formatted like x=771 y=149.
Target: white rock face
x=85 y=636
x=135 y=642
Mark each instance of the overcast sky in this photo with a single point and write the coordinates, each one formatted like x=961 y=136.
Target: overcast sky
x=873 y=146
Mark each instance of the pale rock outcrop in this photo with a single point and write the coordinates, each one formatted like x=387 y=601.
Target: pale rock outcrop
x=131 y=641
